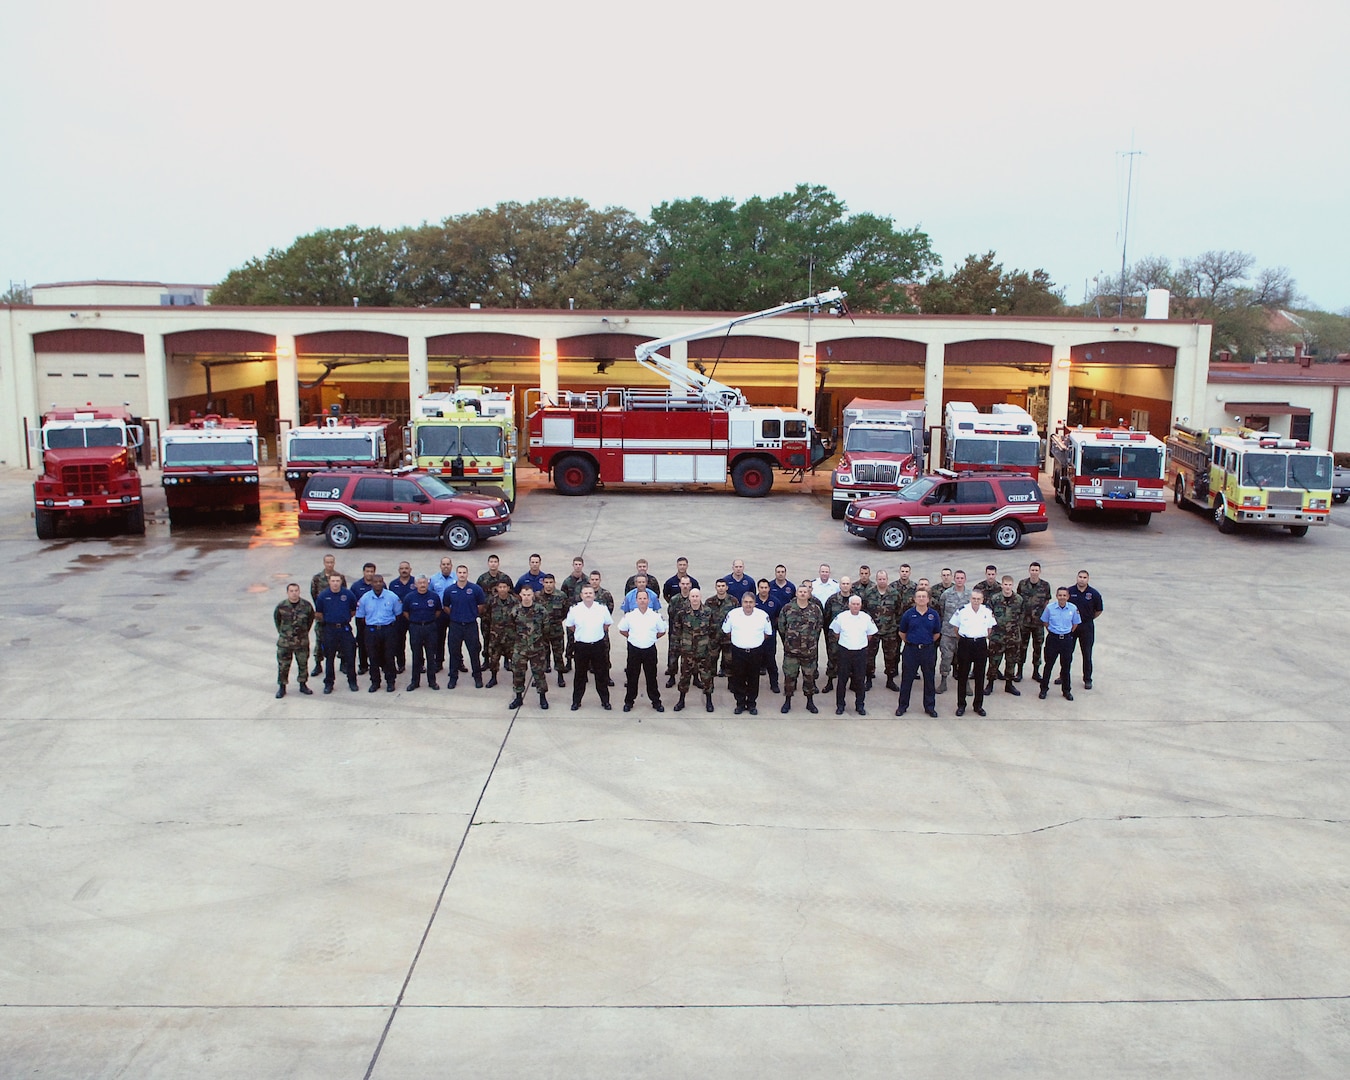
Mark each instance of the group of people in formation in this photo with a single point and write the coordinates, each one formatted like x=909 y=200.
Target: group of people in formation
x=977 y=634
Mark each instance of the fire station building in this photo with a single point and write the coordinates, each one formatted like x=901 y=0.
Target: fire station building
x=167 y=353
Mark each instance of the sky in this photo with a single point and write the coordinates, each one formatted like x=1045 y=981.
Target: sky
x=172 y=142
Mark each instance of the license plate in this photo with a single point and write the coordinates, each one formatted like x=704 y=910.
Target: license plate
x=76 y=502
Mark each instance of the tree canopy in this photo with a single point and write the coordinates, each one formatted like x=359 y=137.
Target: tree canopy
x=980 y=286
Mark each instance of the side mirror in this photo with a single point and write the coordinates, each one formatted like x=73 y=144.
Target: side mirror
x=421 y=497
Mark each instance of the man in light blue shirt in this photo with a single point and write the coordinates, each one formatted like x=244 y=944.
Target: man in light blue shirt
x=630 y=601
x=1061 y=621
x=380 y=609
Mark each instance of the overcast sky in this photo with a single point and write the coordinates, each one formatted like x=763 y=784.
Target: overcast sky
x=171 y=142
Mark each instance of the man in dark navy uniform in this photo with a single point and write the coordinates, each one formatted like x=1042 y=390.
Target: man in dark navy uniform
x=359 y=589
x=401 y=586
x=337 y=605
x=421 y=612
x=464 y=601
x=1088 y=601
x=921 y=632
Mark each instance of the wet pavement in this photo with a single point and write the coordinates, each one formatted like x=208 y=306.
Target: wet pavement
x=1150 y=881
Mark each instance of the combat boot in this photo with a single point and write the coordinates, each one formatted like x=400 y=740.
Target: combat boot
x=1036 y=673
x=1009 y=688
x=670 y=681
x=281 y=690
x=773 y=687
x=543 y=700
x=318 y=669
x=304 y=688
x=516 y=702
x=989 y=686
x=942 y=686
x=561 y=680
x=708 y=703
x=679 y=705
x=490 y=683
x=787 y=704
x=890 y=683
x=1018 y=676
x=829 y=685
x=431 y=682
x=811 y=703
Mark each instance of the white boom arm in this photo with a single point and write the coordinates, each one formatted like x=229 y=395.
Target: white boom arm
x=694 y=382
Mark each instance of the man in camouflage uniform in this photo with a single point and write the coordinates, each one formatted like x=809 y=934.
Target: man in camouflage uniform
x=571 y=588
x=677 y=606
x=317 y=584
x=555 y=603
x=953 y=600
x=487 y=581
x=697 y=644
x=935 y=591
x=529 y=631
x=1035 y=595
x=721 y=604
x=501 y=643
x=799 y=625
x=1005 y=639
x=293 y=618
x=835 y=605
x=885 y=613
x=870 y=591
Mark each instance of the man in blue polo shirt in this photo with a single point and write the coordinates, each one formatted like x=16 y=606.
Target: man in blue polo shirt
x=463 y=601
x=534 y=577
x=337 y=605
x=921 y=633
x=437 y=583
x=422 y=611
x=359 y=589
x=1088 y=601
x=401 y=586
x=380 y=609
x=738 y=581
x=1061 y=621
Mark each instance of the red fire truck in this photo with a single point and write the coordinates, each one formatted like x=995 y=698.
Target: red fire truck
x=699 y=431
x=88 y=470
x=1004 y=439
x=210 y=465
x=1110 y=469
x=336 y=441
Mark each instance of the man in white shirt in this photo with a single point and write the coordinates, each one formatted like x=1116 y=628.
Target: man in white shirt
x=855 y=631
x=973 y=623
x=642 y=627
x=824 y=586
x=589 y=623
x=748 y=626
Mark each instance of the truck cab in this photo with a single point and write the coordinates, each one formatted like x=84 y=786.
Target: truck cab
x=89 y=470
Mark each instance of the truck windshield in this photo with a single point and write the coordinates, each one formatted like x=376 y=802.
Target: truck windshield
x=67 y=438
x=346 y=448
x=1019 y=452
x=210 y=452
x=879 y=440
x=1311 y=471
x=1100 y=461
x=448 y=441
x=1141 y=462
x=975 y=451
x=1264 y=470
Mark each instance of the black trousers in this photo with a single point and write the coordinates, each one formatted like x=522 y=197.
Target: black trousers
x=362 y=647
x=590 y=658
x=338 y=642
x=459 y=635
x=768 y=657
x=972 y=654
x=1087 y=636
x=915 y=659
x=422 y=638
x=1058 y=647
x=641 y=662
x=743 y=680
x=852 y=666
x=380 y=641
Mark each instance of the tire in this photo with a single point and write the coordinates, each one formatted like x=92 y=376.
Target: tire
x=1007 y=535
x=1340 y=498
x=341 y=533
x=1073 y=513
x=893 y=536
x=574 y=475
x=1179 y=493
x=752 y=478
x=458 y=535
x=136 y=521
x=1058 y=497
x=45 y=521
x=1143 y=517
x=1298 y=530
x=1221 y=518
x=253 y=513
x=838 y=510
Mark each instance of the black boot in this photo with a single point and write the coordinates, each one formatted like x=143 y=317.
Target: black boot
x=1018 y=676
x=281 y=690
x=890 y=683
x=829 y=685
x=561 y=680
x=516 y=702
x=787 y=704
x=490 y=683
x=670 y=681
x=989 y=686
x=304 y=688
x=811 y=703
x=1009 y=688
x=543 y=700
x=679 y=705
x=318 y=670
x=708 y=703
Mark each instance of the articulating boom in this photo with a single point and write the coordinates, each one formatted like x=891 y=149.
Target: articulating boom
x=694 y=382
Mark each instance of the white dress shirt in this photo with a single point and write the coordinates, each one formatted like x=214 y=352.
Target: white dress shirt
x=747 y=631
x=823 y=590
x=590 y=623
x=643 y=627
x=974 y=624
x=853 y=629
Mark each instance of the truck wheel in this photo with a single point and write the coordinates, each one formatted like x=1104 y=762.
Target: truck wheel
x=893 y=536
x=1298 y=530
x=136 y=521
x=1143 y=517
x=45 y=521
x=1179 y=493
x=253 y=513
x=838 y=510
x=752 y=478
x=574 y=475
x=458 y=535
x=1007 y=535
x=341 y=533
x=1221 y=518
x=1341 y=498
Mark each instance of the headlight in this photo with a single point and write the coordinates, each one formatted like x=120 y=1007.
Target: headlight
x=487 y=512
x=168 y=480
x=843 y=478
x=1317 y=504
x=867 y=515
x=1252 y=500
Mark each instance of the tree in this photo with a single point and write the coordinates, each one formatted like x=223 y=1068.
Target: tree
x=18 y=293
x=981 y=287
x=329 y=268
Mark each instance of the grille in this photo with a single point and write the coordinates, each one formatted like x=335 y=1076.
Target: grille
x=81 y=480
x=1284 y=500
x=1119 y=489
x=875 y=474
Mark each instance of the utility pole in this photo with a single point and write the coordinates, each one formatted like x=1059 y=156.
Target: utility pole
x=1131 y=153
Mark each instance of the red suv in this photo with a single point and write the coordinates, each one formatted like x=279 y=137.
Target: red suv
x=398 y=506
x=965 y=506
